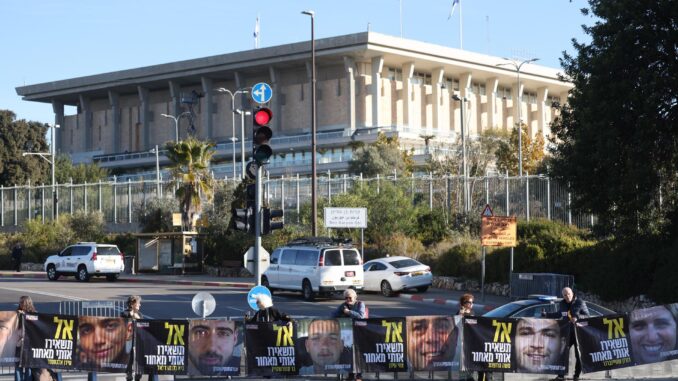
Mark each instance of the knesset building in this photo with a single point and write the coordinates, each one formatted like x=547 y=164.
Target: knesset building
x=366 y=83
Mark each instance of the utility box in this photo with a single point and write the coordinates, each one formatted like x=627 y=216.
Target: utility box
x=525 y=284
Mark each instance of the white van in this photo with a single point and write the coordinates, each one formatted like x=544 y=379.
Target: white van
x=314 y=266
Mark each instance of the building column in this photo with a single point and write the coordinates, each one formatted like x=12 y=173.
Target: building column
x=114 y=101
x=175 y=93
x=437 y=100
x=144 y=103
x=408 y=105
x=491 y=86
x=542 y=125
x=349 y=65
x=208 y=109
x=518 y=104
x=58 y=109
x=465 y=91
x=87 y=113
x=275 y=101
x=377 y=66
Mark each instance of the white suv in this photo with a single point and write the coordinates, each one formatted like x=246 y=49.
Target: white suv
x=86 y=259
x=314 y=266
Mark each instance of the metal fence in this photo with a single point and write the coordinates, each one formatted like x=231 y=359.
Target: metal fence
x=526 y=197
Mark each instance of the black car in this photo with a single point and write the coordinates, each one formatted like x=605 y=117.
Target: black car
x=535 y=304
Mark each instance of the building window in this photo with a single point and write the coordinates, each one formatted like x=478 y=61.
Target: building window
x=452 y=83
x=394 y=74
x=420 y=79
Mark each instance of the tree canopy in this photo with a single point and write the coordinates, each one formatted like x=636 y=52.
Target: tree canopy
x=616 y=139
x=17 y=137
x=381 y=158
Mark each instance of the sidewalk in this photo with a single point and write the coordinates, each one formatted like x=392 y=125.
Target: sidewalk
x=433 y=295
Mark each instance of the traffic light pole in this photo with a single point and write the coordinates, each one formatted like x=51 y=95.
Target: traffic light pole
x=257 y=224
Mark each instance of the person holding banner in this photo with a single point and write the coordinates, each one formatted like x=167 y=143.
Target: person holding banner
x=571 y=308
x=25 y=306
x=540 y=346
x=267 y=313
x=653 y=333
x=354 y=309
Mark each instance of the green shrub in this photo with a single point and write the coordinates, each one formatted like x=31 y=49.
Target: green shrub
x=461 y=260
x=400 y=244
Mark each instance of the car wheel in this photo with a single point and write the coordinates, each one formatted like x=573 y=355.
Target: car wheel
x=265 y=283
x=82 y=275
x=112 y=277
x=52 y=274
x=307 y=290
x=422 y=288
x=386 y=288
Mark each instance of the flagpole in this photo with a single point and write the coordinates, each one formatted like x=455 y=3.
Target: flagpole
x=461 y=39
x=401 y=18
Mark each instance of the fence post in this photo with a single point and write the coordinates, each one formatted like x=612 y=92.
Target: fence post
x=527 y=196
x=71 y=195
x=85 y=196
x=378 y=184
x=42 y=202
x=344 y=184
x=298 y=208
x=487 y=189
x=448 y=197
x=548 y=198
x=100 y=195
x=129 y=201
x=28 y=199
x=430 y=191
x=2 y=205
x=569 y=208
x=115 y=200
x=16 y=209
x=508 y=213
x=329 y=187
x=282 y=196
x=55 y=201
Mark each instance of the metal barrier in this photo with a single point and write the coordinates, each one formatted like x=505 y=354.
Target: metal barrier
x=103 y=308
x=525 y=284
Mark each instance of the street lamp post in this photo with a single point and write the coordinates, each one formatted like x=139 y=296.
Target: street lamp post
x=176 y=123
x=156 y=151
x=50 y=157
x=463 y=101
x=233 y=112
x=242 y=114
x=517 y=65
x=314 y=176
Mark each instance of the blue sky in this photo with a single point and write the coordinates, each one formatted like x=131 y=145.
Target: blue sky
x=49 y=40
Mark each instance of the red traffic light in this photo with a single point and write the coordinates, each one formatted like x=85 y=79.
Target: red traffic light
x=262 y=116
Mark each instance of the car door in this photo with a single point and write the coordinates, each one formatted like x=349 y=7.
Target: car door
x=61 y=259
x=71 y=260
x=377 y=273
x=287 y=260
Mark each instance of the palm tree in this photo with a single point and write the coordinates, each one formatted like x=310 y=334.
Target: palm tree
x=190 y=171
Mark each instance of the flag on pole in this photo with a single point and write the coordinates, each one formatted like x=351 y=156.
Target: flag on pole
x=454 y=6
x=256 y=34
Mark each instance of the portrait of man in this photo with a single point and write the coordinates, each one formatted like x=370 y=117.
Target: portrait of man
x=104 y=343
x=540 y=346
x=211 y=347
x=8 y=335
x=325 y=346
x=653 y=333
x=431 y=342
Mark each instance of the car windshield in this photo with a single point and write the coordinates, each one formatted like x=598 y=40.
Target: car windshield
x=399 y=264
x=507 y=309
x=107 y=250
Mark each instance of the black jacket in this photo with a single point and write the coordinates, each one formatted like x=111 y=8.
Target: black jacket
x=268 y=315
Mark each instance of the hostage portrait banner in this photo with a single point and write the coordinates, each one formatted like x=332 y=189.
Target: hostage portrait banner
x=270 y=349
x=161 y=346
x=432 y=342
x=603 y=343
x=324 y=346
x=104 y=343
x=487 y=344
x=49 y=341
x=9 y=335
x=653 y=334
x=214 y=347
x=380 y=344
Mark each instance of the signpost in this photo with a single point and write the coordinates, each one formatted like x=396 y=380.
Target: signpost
x=348 y=218
x=496 y=231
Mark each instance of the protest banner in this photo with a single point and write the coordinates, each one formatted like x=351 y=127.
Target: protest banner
x=380 y=344
x=270 y=349
x=161 y=346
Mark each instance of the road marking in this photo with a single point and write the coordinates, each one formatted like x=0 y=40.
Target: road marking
x=23 y=290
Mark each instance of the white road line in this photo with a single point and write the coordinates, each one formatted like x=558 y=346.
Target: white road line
x=23 y=290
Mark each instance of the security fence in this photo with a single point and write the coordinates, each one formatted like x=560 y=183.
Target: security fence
x=526 y=197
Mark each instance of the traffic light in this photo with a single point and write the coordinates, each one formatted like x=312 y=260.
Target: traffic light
x=261 y=134
x=268 y=215
x=243 y=219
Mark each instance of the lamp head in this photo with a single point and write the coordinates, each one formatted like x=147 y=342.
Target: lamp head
x=308 y=12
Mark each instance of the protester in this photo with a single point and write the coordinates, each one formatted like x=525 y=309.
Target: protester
x=653 y=333
x=22 y=373
x=431 y=342
x=211 y=345
x=355 y=309
x=267 y=313
x=540 y=346
x=573 y=309
x=17 y=253
x=325 y=347
x=465 y=305
x=133 y=312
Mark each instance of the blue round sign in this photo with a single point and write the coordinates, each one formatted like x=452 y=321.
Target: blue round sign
x=262 y=92
x=252 y=295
